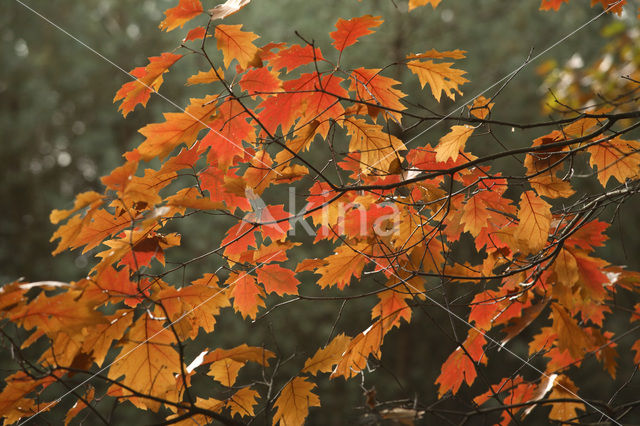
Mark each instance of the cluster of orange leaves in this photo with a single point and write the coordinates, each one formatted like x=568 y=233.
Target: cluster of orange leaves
x=216 y=140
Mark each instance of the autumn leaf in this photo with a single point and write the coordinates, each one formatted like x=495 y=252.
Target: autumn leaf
x=79 y=406
x=368 y=343
x=293 y=403
x=453 y=142
x=246 y=294
x=179 y=127
x=439 y=76
x=235 y=44
x=461 y=364
x=227 y=8
x=481 y=107
x=616 y=158
x=277 y=279
x=242 y=403
x=534 y=222
x=325 y=358
x=564 y=388
x=147 y=79
x=294 y=57
x=551 y=4
x=570 y=335
x=417 y=3
x=371 y=86
x=349 y=31
x=475 y=215
x=260 y=81
x=185 y=11
x=204 y=77
x=377 y=148
x=148 y=362
x=340 y=267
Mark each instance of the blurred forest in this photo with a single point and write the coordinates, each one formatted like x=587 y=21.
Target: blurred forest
x=61 y=131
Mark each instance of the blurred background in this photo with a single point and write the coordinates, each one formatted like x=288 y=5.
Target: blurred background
x=61 y=131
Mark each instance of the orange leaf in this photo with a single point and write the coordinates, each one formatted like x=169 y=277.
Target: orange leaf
x=417 y=3
x=377 y=148
x=148 y=79
x=246 y=294
x=204 y=77
x=459 y=367
x=260 y=81
x=564 y=411
x=439 y=76
x=325 y=358
x=369 y=342
x=277 y=279
x=179 y=127
x=340 y=267
x=243 y=401
x=236 y=44
x=552 y=4
x=151 y=362
x=348 y=31
x=371 y=86
x=570 y=335
x=453 y=142
x=475 y=215
x=617 y=158
x=295 y=56
x=179 y=15
x=292 y=405
x=535 y=220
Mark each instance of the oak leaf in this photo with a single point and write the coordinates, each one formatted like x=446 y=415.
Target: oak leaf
x=277 y=279
x=417 y=3
x=147 y=79
x=534 y=221
x=325 y=358
x=185 y=11
x=293 y=403
x=439 y=76
x=453 y=142
x=236 y=44
x=349 y=31
x=617 y=158
x=227 y=8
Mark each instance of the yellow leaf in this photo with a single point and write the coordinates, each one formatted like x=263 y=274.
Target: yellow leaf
x=377 y=148
x=439 y=76
x=417 y=3
x=243 y=401
x=225 y=371
x=236 y=44
x=453 y=142
x=204 y=77
x=354 y=359
x=325 y=358
x=292 y=406
x=151 y=363
x=616 y=158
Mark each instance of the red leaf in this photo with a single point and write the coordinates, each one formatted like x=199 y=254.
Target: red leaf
x=459 y=367
x=348 y=32
x=295 y=56
x=277 y=279
x=179 y=15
